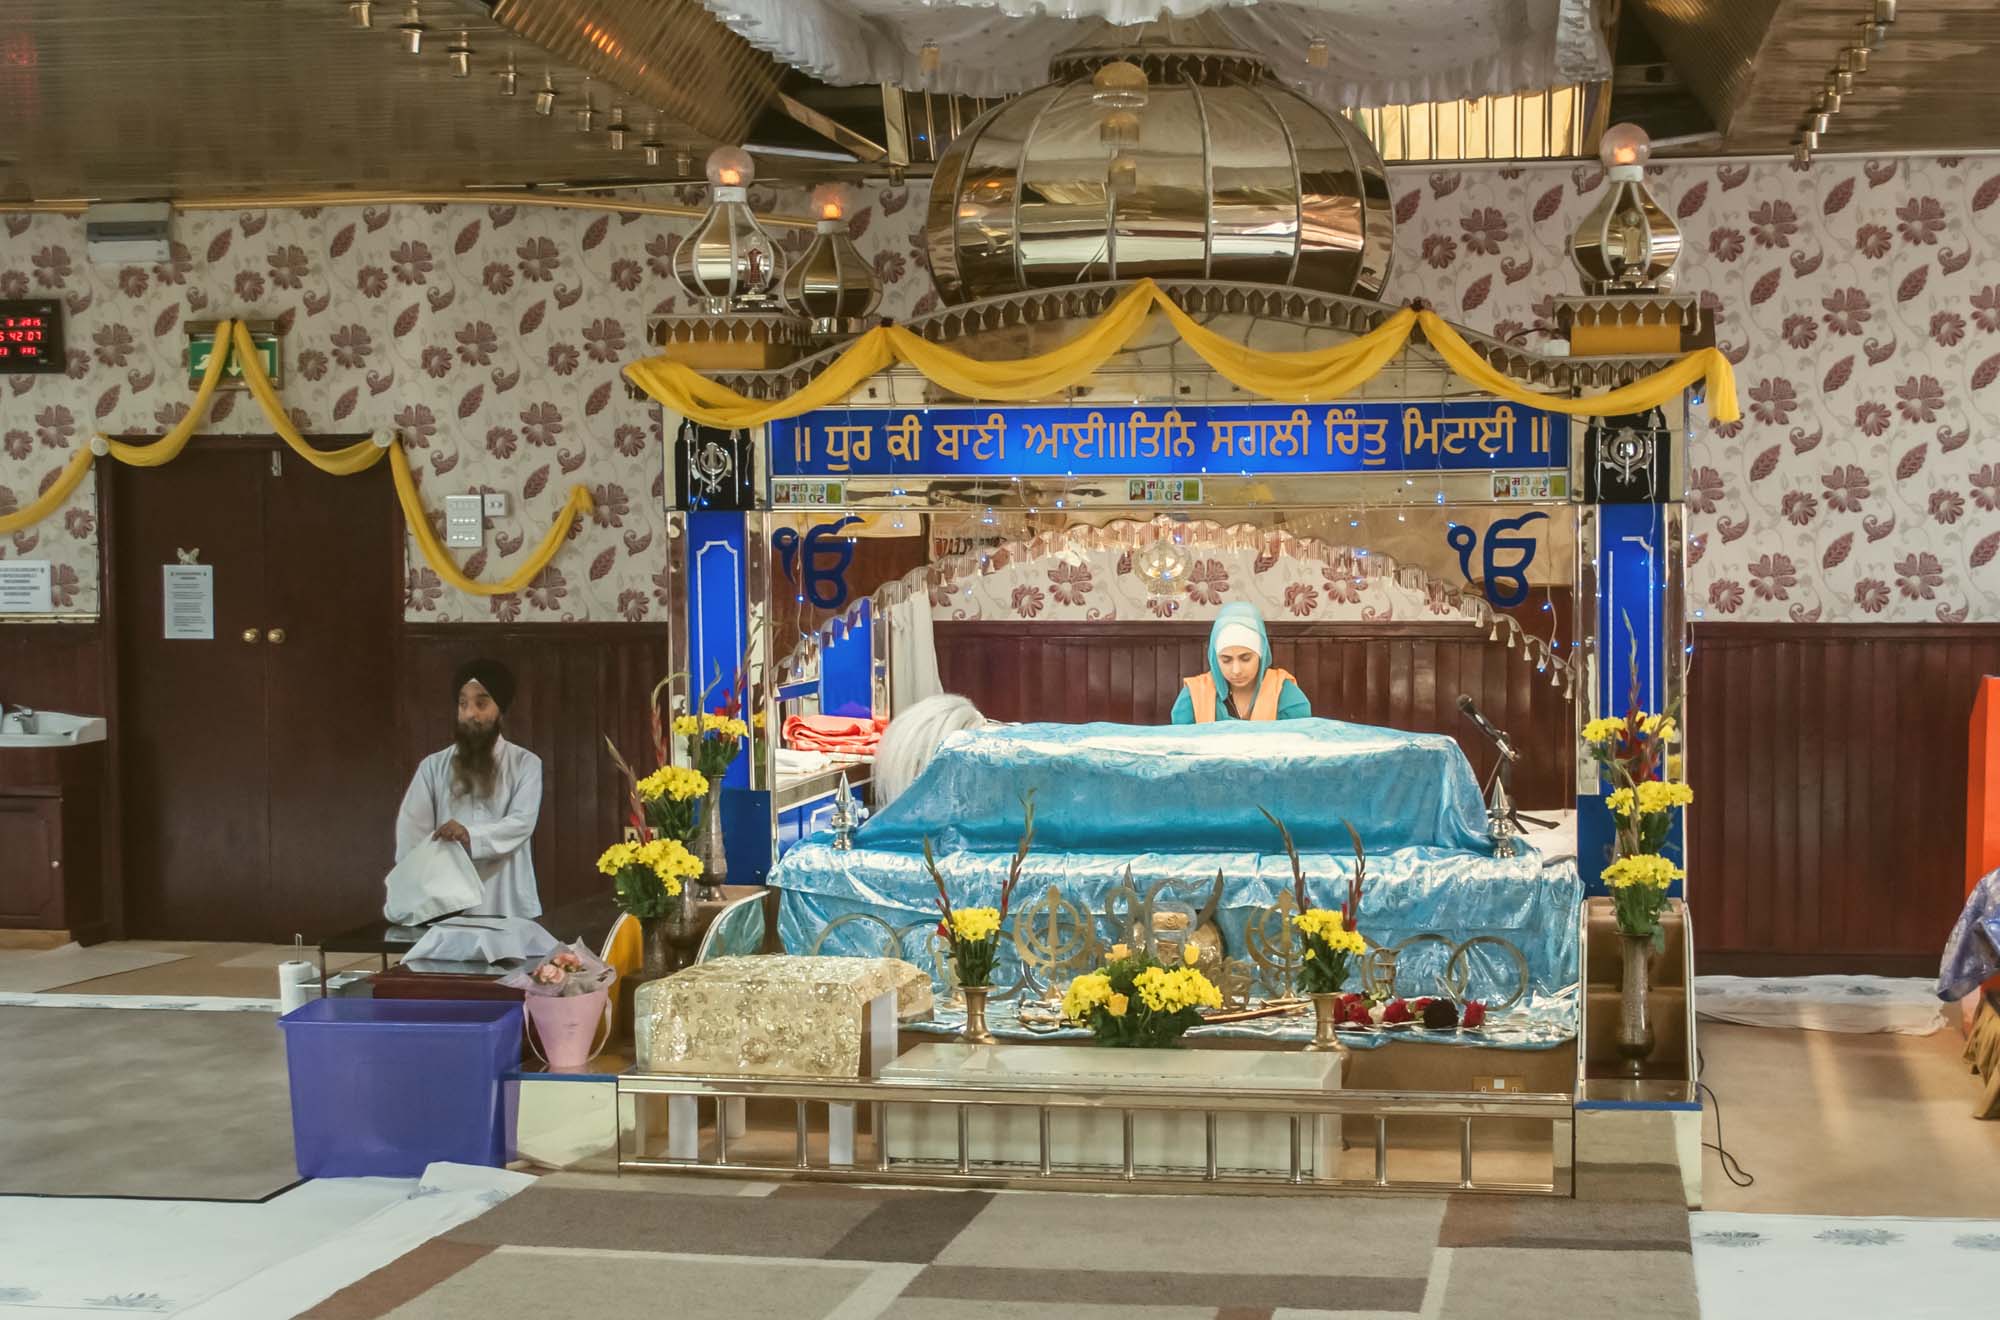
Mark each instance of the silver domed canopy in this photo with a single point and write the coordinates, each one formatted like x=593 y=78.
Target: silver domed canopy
x=1212 y=170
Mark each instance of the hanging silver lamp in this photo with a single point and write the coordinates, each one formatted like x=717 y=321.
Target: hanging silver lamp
x=831 y=284
x=728 y=261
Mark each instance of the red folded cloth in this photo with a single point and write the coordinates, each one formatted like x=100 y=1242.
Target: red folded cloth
x=855 y=736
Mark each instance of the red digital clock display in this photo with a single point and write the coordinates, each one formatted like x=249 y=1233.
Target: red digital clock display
x=31 y=336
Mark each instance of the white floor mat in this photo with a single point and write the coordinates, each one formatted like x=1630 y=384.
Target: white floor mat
x=1762 y=1267
x=1906 y=1005
x=45 y=969
x=220 y=1261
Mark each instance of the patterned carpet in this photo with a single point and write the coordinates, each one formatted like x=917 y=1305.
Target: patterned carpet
x=704 y=1249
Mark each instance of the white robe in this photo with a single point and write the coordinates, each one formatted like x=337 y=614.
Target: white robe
x=500 y=828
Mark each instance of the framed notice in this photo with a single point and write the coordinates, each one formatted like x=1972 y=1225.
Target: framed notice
x=26 y=586
x=188 y=606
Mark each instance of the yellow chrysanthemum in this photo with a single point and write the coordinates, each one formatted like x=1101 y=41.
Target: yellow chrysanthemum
x=1661 y=728
x=1189 y=954
x=1163 y=991
x=1620 y=802
x=1657 y=795
x=971 y=925
x=1330 y=927
x=1117 y=1004
x=686 y=725
x=727 y=726
x=1119 y=951
x=1606 y=730
x=1085 y=993
x=1643 y=869
x=617 y=857
x=1674 y=766
x=672 y=781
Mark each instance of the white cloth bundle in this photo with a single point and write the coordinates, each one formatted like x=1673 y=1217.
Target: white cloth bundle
x=483 y=939
x=434 y=879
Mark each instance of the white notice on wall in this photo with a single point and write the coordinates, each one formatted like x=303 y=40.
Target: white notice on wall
x=190 y=602
x=26 y=586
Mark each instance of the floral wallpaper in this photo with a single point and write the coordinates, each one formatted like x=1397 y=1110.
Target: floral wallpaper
x=1851 y=295
x=489 y=337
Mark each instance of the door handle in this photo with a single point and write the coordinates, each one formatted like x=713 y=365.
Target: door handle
x=252 y=636
x=275 y=637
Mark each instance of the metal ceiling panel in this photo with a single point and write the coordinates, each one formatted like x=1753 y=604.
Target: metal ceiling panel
x=139 y=98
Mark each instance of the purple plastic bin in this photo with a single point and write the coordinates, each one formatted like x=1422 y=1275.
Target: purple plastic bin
x=383 y=1087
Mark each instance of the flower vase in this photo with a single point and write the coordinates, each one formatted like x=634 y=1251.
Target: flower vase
x=657 y=951
x=1326 y=1022
x=566 y=1027
x=975 y=1032
x=709 y=848
x=1635 y=1028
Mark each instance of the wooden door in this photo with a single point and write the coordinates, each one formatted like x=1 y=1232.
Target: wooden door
x=252 y=768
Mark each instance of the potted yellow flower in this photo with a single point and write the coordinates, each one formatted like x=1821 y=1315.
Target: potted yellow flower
x=973 y=933
x=1135 y=1002
x=669 y=798
x=1632 y=753
x=712 y=741
x=649 y=877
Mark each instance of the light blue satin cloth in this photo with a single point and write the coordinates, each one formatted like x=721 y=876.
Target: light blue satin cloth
x=1124 y=788
x=1180 y=805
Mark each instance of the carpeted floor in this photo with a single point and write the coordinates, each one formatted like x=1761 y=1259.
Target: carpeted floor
x=113 y=1102
x=757 y=1251
x=1837 y=1124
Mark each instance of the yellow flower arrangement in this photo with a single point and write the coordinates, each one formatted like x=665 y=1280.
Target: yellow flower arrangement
x=974 y=924
x=1328 y=945
x=649 y=875
x=1660 y=727
x=1117 y=1005
x=1329 y=926
x=1641 y=870
x=1086 y=992
x=1606 y=730
x=675 y=782
x=1651 y=798
x=1164 y=991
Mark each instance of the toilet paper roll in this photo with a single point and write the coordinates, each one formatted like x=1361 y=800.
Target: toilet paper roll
x=297 y=982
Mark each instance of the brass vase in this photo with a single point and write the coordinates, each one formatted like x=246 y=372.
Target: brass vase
x=657 y=952
x=1326 y=1022
x=714 y=857
x=975 y=1032
x=1635 y=1027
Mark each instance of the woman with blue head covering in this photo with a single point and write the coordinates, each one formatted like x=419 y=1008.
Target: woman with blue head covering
x=1241 y=683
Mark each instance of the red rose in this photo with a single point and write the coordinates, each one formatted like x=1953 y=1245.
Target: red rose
x=1473 y=1015
x=1354 y=1012
x=1395 y=1011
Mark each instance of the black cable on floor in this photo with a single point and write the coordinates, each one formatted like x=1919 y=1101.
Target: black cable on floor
x=1732 y=1168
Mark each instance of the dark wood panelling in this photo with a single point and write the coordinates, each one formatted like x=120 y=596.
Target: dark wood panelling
x=578 y=683
x=53 y=666
x=1828 y=832
x=1401 y=675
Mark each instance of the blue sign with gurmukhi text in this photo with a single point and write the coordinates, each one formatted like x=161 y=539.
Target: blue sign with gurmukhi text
x=1185 y=440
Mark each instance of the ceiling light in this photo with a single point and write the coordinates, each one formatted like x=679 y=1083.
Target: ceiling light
x=1819 y=121
x=1809 y=140
x=1854 y=59
x=1885 y=11
x=1829 y=102
x=362 y=12
x=652 y=148
x=510 y=80
x=586 y=115
x=460 y=54
x=545 y=96
x=617 y=128
x=1801 y=156
x=1840 y=80
x=413 y=29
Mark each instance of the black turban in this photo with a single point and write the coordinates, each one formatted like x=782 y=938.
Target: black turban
x=495 y=677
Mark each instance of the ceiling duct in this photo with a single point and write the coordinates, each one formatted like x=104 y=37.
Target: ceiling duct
x=671 y=55
x=1713 y=45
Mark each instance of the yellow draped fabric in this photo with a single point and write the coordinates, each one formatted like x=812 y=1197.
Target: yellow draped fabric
x=1314 y=375
x=434 y=551
x=234 y=339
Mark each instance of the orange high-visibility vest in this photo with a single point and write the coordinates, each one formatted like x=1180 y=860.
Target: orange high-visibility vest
x=1201 y=690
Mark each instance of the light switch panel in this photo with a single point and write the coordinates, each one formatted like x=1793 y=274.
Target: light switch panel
x=464 y=523
x=496 y=503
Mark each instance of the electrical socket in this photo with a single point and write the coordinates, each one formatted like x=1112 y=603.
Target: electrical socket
x=496 y=504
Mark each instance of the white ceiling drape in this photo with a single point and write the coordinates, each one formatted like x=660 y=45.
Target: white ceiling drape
x=1379 y=52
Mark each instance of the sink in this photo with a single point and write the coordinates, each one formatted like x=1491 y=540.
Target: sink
x=49 y=729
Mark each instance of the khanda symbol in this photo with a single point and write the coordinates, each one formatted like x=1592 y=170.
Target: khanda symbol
x=1506 y=583
x=817 y=563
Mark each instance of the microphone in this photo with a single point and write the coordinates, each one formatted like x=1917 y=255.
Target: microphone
x=1485 y=725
